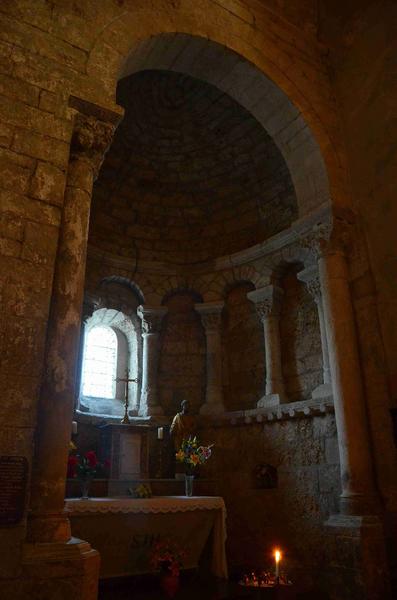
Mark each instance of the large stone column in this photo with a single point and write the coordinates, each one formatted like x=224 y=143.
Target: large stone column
x=151 y=322
x=268 y=302
x=311 y=278
x=211 y=318
x=357 y=528
x=48 y=525
x=359 y=495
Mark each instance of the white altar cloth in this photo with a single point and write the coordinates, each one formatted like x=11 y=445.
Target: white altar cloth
x=123 y=529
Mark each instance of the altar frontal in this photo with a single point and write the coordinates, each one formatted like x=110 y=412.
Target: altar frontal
x=124 y=530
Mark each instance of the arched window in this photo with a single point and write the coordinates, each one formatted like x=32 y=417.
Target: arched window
x=100 y=363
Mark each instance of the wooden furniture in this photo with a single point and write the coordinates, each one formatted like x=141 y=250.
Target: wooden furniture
x=126 y=446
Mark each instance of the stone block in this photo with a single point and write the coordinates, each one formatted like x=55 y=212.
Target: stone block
x=40 y=244
x=10 y=247
x=43 y=147
x=14 y=176
x=332 y=451
x=6 y=135
x=29 y=208
x=329 y=478
x=21 y=90
x=25 y=346
x=11 y=226
x=17 y=113
x=19 y=399
x=48 y=184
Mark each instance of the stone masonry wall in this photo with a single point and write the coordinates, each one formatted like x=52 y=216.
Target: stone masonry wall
x=49 y=50
x=305 y=453
x=191 y=175
x=243 y=351
x=181 y=373
x=301 y=353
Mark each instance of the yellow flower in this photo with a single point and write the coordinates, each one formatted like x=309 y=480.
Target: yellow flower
x=72 y=446
x=180 y=456
x=194 y=459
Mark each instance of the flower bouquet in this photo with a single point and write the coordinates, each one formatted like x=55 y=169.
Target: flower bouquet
x=167 y=557
x=83 y=468
x=192 y=454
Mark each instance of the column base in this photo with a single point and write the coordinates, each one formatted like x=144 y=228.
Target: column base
x=356 y=558
x=212 y=409
x=58 y=570
x=270 y=400
x=359 y=504
x=324 y=390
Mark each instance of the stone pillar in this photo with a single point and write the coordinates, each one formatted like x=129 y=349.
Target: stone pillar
x=268 y=302
x=359 y=495
x=311 y=278
x=151 y=322
x=357 y=528
x=49 y=537
x=211 y=318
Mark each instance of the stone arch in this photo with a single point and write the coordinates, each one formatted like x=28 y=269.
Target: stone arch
x=302 y=95
x=127 y=329
x=197 y=297
x=128 y=283
x=242 y=81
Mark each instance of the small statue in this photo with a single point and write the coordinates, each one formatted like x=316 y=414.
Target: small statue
x=183 y=425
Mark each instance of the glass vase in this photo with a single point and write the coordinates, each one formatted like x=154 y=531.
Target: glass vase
x=85 y=488
x=189 y=485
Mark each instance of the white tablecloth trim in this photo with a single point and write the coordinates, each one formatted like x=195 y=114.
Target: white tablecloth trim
x=160 y=504
x=163 y=505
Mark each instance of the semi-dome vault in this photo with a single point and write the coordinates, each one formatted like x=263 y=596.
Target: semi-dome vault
x=191 y=175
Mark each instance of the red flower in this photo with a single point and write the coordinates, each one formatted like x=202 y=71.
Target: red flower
x=91 y=458
x=72 y=464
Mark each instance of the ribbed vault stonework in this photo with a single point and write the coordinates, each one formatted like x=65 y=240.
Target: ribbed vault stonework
x=190 y=176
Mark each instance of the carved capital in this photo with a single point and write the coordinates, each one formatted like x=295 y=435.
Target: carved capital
x=310 y=277
x=151 y=318
x=211 y=315
x=267 y=300
x=333 y=235
x=90 y=140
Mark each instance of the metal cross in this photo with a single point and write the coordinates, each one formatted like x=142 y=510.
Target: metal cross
x=126 y=380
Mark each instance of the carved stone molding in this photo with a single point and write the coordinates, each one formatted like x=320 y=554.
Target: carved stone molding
x=211 y=315
x=331 y=235
x=151 y=318
x=91 y=139
x=267 y=300
x=311 y=278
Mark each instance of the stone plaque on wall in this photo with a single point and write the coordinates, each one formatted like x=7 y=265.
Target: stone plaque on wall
x=13 y=483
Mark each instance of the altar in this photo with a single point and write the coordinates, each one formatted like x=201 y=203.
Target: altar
x=123 y=530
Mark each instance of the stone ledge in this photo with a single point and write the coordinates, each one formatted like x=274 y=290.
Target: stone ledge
x=291 y=410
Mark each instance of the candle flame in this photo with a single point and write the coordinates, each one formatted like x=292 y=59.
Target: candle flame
x=277 y=556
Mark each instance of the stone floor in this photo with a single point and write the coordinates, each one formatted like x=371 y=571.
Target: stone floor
x=194 y=587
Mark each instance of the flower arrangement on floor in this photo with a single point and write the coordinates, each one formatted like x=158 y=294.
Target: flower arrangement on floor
x=192 y=454
x=166 y=556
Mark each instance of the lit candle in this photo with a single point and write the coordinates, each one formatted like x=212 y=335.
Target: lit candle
x=160 y=433
x=74 y=427
x=277 y=558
